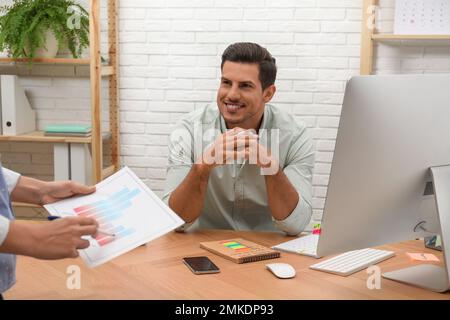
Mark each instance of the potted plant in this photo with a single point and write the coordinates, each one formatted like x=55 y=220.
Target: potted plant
x=38 y=28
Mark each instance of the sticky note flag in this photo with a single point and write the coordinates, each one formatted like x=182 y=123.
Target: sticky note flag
x=229 y=244
x=316 y=229
x=422 y=256
x=238 y=246
x=438 y=241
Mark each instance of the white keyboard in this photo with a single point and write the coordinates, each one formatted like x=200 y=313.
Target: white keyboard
x=350 y=262
x=306 y=245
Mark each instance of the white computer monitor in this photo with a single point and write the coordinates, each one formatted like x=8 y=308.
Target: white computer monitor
x=393 y=129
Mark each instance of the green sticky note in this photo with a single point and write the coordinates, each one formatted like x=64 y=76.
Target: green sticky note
x=438 y=241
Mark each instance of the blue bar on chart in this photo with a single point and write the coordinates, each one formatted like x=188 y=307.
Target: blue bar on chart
x=108 y=210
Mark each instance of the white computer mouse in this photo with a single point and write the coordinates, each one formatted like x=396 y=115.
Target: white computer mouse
x=281 y=270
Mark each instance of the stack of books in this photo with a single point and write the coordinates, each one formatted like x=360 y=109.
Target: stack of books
x=70 y=130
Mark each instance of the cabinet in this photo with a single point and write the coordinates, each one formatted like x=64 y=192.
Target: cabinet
x=97 y=71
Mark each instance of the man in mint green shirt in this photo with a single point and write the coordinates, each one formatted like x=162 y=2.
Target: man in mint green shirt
x=242 y=164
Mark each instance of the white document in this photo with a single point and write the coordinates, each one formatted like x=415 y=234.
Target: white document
x=123 y=205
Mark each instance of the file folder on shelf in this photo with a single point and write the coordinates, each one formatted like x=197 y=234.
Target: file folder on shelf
x=17 y=115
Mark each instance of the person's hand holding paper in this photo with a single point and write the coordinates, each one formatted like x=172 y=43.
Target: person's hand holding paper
x=124 y=206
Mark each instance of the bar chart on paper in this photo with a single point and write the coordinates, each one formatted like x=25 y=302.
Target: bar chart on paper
x=107 y=212
x=123 y=206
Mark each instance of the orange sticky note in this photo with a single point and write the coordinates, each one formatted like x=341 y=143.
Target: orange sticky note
x=422 y=256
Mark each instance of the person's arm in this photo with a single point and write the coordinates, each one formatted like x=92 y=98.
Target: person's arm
x=187 y=181
x=281 y=195
x=289 y=191
x=188 y=198
x=35 y=191
x=49 y=240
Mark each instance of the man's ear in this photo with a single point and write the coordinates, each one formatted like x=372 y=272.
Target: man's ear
x=269 y=92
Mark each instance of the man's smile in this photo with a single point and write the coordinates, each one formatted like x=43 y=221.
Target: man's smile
x=233 y=107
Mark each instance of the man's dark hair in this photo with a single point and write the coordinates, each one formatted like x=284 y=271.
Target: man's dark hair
x=247 y=52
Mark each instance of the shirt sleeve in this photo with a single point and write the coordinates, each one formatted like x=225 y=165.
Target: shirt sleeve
x=11 y=179
x=298 y=169
x=180 y=161
x=4 y=228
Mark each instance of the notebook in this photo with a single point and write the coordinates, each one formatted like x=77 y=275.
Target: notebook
x=67 y=134
x=68 y=128
x=240 y=250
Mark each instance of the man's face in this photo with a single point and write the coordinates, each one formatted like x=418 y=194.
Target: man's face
x=240 y=97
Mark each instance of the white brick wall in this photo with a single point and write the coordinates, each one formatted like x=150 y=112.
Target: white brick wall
x=169 y=64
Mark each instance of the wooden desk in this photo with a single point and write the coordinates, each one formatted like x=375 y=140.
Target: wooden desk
x=156 y=271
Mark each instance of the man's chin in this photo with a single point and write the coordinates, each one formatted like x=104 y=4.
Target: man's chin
x=232 y=119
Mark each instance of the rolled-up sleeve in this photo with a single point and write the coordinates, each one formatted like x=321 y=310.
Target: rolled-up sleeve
x=4 y=228
x=11 y=179
x=299 y=170
x=180 y=161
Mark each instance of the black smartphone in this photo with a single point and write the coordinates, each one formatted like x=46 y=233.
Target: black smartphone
x=200 y=265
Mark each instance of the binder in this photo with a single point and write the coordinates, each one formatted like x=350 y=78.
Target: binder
x=17 y=115
x=80 y=163
x=72 y=162
x=240 y=250
x=61 y=156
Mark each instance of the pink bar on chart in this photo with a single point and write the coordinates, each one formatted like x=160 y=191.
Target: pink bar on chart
x=83 y=208
x=104 y=240
x=87 y=213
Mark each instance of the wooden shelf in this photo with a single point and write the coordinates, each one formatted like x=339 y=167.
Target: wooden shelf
x=369 y=37
x=106 y=172
x=38 y=136
x=97 y=70
x=106 y=70
x=47 y=61
x=400 y=37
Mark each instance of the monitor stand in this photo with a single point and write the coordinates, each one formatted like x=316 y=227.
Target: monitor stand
x=430 y=276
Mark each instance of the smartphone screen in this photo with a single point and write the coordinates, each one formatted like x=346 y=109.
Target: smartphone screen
x=201 y=265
